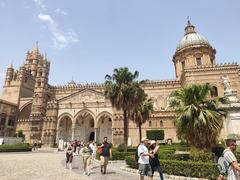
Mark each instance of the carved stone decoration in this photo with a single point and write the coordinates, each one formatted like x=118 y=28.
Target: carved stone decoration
x=85 y=96
x=226 y=83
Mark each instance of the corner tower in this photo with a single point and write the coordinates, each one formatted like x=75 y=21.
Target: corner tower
x=192 y=51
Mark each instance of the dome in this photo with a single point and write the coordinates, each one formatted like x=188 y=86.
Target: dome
x=191 y=37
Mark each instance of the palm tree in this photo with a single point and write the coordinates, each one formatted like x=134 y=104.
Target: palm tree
x=199 y=119
x=142 y=112
x=121 y=90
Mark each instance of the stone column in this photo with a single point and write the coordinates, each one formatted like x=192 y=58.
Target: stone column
x=73 y=129
x=95 y=134
x=57 y=136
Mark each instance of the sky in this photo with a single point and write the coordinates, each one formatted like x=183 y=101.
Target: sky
x=86 y=39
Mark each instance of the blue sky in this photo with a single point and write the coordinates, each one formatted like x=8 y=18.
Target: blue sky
x=87 y=39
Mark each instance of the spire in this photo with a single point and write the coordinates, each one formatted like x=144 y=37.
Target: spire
x=35 y=48
x=189 y=28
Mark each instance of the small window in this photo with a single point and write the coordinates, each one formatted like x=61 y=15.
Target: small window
x=25 y=79
x=3 y=120
x=161 y=123
x=11 y=121
x=39 y=83
x=40 y=74
x=214 y=91
x=150 y=123
x=199 y=61
x=183 y=65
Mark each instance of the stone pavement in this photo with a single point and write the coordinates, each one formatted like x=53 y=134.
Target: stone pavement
x=51 y=166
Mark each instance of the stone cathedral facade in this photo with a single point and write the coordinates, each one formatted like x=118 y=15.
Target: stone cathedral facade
x=80 y=111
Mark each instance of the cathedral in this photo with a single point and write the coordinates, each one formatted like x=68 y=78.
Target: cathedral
x=49 y=113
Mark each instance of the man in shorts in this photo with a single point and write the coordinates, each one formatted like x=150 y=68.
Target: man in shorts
x=143 y=161
x=106 y=154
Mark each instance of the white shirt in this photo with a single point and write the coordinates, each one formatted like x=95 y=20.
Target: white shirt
x=142 y=159
x=93 y=147
x=230 y=157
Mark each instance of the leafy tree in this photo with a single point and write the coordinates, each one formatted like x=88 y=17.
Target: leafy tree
x=142 y=111
x=121 y=90
x=199 y=119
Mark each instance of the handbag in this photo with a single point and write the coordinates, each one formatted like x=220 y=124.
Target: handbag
x=100 y=150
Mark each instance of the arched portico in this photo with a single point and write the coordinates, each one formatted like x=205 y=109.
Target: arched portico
x=104 y=126
x=64 y=127
x=84 y=123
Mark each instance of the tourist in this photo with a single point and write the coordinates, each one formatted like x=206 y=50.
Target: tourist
x=233 y=170
x=93 y=155
x=78 y=147
x=154 y=161
x=86 y=154
x=143 y=161
x=34 y=146
x=69 y=155
x=106 y=153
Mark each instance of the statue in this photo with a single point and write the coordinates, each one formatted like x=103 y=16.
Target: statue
x=226 y=83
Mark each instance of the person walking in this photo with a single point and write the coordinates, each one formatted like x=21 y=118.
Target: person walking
x=69 y=155
x=154 y=161
x=233 y=168
x=93 y=155
x=105 y=154
x=86 y=154
x=143 y=160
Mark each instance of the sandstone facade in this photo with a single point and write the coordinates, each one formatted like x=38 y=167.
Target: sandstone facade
x=81 y=111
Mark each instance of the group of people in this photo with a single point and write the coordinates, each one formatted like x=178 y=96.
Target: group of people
x=88 y=152
x=148 y=159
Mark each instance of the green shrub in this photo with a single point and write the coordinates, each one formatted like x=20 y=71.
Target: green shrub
x=15 y=147
x=180 y=157
x=155 y=134
x=118 y=155
x=183 y=168
x=201 y=155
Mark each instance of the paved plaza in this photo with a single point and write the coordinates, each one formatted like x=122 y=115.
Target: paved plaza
x=51 y=166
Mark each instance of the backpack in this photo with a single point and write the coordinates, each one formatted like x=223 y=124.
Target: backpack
x=136 y=154
x=223 y=165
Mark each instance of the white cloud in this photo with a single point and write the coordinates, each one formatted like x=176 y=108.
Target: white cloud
x=46 y=18
x=59 y=11
x=41 y=4
x=63 y=39
x=60 y=38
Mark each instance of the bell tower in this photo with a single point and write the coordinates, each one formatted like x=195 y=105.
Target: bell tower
x=39 y=67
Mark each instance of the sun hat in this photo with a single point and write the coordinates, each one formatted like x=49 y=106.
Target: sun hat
x=152 y=142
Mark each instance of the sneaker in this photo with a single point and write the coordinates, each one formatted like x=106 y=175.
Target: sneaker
x=84 y=173
x=104 y=172
x=88 y=173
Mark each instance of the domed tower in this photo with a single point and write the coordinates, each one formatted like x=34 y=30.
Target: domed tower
x=192 y=51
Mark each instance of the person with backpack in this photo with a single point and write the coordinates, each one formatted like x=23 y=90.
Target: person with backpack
x=143 y=160
x=228 y=162
x=154 y=161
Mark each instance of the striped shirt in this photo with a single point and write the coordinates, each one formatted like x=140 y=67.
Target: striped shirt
x=230 y=157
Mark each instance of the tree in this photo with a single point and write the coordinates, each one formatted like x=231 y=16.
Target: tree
x=142 y=111
x=121 y=90
x=199 y=119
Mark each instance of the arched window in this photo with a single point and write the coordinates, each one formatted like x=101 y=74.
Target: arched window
x=150 y=123
x=161 y=123
x=214 y=91
x=39 y=83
